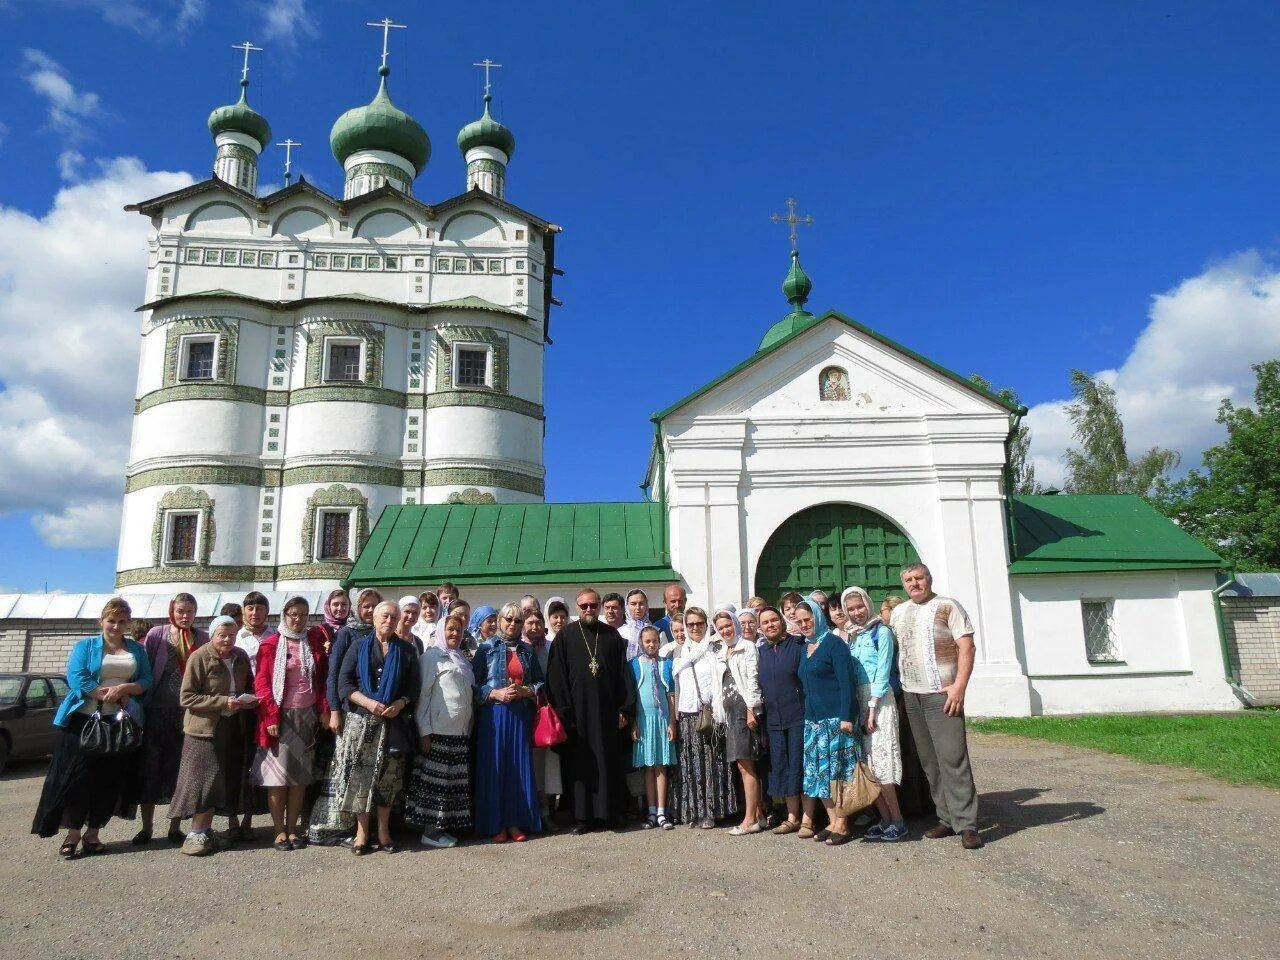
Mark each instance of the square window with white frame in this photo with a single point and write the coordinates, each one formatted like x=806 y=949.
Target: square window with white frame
x=181 y=536
x=343 y=360
x=198 y=357
x=470 y=365
x=1101 y=640
x=333 y=534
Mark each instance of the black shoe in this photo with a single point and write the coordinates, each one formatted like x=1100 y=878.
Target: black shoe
x=578 y=828
x=141 y=838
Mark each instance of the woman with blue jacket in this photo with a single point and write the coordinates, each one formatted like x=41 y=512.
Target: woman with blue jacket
x=875 y=670
x=832 y=748
x=106 y=673
x=508 y=678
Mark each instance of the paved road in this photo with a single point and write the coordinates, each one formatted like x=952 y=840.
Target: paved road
x=1088 y=856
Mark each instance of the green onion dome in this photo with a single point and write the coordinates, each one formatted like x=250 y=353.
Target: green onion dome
x=239 y=117
x=380 y=125
x=486 y=132
x=796 y=287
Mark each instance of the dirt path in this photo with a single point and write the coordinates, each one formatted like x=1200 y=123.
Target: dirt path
x=1088 y=856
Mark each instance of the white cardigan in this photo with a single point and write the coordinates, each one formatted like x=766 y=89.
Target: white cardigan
x=744 y=667
x=446 y=700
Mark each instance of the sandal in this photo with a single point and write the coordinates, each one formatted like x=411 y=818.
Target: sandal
x=518 y=836
x=360 y=849
x=500 y=837
x=282 y=843
x=805 y=832
x=838 y=839
x=787 y=826
x=176 y=835
x=388 y=847
x=299 y=843
x=821 y=836
x=142 y=837
x=92 y=848
x=68 y=849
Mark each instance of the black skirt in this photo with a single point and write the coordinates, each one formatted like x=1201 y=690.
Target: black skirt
x=81 y=790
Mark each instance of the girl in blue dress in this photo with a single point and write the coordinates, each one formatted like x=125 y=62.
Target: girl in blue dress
x=654 y=732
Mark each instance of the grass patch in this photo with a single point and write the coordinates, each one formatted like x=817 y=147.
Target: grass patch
x=1236 y=747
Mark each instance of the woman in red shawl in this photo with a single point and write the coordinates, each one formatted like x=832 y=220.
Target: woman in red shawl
x=168 y=647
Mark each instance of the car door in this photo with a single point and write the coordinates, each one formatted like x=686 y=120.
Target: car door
x=36 y=721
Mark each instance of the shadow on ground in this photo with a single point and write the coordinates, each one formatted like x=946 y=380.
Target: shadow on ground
x=1008 y=811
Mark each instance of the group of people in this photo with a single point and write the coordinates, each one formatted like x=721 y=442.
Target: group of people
x=509 y=722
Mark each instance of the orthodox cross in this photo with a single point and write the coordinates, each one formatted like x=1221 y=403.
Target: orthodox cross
x=387 y=26
x=487 y=65
x=288 y=145
x=792 y=220
x=246 y=47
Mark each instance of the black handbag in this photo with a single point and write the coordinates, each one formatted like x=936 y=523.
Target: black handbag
x=111 y=735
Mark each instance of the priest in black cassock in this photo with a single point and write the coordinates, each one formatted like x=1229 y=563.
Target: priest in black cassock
x=591 y=687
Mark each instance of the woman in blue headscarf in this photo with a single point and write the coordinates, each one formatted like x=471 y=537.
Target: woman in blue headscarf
x=831 y=750
x=380 y=681
x=483 y=624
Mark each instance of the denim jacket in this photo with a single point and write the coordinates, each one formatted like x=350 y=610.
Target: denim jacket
x=490 y=667
x=84 y=675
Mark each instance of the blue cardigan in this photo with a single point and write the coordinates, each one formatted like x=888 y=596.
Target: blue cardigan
x=828 y=681
x=84 y=675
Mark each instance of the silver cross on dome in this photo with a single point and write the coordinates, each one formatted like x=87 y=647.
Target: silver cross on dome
x=387 y=26
x=793 y=221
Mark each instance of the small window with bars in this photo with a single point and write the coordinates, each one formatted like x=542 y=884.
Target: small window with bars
x=182 y=535
x=335 y=535
x=343 y=361
x=472 y=367
x=1101 y=641
x=198 y=358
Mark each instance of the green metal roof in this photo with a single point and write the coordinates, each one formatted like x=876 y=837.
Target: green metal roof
x=380 y=125
x=422 y=544
x=486 y=132
x=805 y=323
x=1085 y=533
x=241 y=118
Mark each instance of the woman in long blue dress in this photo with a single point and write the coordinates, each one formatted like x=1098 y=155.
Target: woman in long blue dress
x=508 y=678
x=832 y=748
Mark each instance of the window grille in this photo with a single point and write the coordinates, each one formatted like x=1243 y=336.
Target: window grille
x=199 y=360
x=182 y=537
x=1101 y=644
x=344 y=362
x=335 y=535
x=473 y=368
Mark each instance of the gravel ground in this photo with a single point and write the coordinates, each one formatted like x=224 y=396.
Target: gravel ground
x=1087 y=856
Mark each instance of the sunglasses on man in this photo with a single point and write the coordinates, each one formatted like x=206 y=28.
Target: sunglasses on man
x=588 y=606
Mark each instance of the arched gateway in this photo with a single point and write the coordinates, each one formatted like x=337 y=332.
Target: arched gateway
x=833 y=546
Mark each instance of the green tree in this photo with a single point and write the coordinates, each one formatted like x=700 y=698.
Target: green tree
x=1234 y=505
x=1022 y=472
x=1102 y=464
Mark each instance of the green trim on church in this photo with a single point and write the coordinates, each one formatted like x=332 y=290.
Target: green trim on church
x=803 y=326
x=420 y=544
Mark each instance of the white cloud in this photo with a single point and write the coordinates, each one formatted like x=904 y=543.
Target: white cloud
x=1197 y=349
x=69 y=282
x=288 y=21
x=70 y=163
x=152 y=18
x=70 y=109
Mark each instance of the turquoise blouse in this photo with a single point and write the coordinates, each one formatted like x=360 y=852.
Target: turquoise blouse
x=875 y=660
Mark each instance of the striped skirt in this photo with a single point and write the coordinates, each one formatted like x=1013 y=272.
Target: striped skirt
x=291 y=762
x=704 y=787
x=438 y=796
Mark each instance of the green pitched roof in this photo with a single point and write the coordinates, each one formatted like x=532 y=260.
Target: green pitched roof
x=807 y=322
x=1084 y=533
x=421 y=544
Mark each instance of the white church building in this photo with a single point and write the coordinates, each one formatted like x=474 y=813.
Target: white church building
x=349 y=389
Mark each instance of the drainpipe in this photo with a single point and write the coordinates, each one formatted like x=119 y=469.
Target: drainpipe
x=1228 y=668
x=662 y=493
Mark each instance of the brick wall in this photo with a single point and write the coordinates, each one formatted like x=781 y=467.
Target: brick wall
x=1253 y=643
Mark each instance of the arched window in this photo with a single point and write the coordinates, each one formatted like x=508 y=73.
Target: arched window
x=833 y=384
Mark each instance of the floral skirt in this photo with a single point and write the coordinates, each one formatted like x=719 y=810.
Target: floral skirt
x=704 y=788
x=828 y=755
x=884 y=755
x=375 y=775
x=330 y=824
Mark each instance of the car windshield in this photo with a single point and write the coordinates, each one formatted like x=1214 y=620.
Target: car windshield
x=10 y=688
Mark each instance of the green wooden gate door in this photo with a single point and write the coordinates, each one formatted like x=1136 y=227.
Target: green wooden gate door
x=831 y=547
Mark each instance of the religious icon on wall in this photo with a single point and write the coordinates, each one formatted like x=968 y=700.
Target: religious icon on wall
x=833 y=384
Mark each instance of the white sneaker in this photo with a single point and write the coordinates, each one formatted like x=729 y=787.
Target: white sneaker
x=198 y=844
x=440 y=841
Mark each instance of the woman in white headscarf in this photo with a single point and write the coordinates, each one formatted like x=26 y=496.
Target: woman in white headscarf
x=557 y=612
x=875 y=667
x=735 y=704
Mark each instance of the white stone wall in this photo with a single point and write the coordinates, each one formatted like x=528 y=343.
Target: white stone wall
x=1168 y=642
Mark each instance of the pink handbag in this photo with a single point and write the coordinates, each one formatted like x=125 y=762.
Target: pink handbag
x=548 y=731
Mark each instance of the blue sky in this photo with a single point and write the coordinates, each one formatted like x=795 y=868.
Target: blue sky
x=1003 y=186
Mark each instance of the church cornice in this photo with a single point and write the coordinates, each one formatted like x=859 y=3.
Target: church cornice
x=465 y=303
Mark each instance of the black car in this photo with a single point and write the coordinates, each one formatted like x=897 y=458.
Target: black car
x=27 y=705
